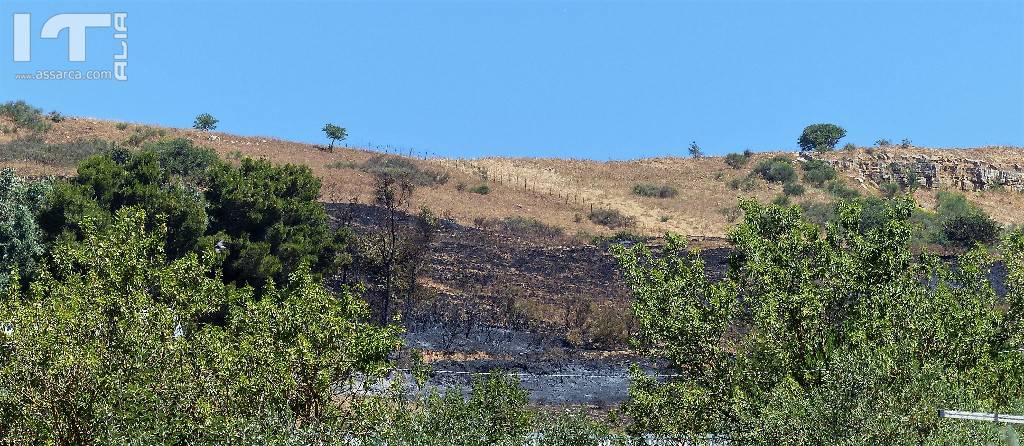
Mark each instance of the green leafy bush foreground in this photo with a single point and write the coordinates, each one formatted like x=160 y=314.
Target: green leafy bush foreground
x=113 y=343
x=836 y=337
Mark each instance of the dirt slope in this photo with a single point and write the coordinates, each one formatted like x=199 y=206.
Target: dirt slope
x=559 y=192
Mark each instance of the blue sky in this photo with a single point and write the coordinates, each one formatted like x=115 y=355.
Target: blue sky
x=567 y=79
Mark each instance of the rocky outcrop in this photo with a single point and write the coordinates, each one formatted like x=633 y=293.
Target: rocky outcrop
x=928 y=171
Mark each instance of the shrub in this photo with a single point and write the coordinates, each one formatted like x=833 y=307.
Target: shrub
x=34 y=149
x=792 y=189
x=611 y=218
x=117 y=342
x=745 y=184
x=401 y=168
x=841 y=190
x=731 y=213
x=205 y=122
x=738 y=160
x=527 y=226
x=778 y=169
x=849 y=147
x=883 y=142
x=890 y=189
x=341 y=165
x=958 y=222
x=482 y=189
x=651 y=190
x=55 y=116
x=817 y=172
x=24 y=116
x=122 y=126
x=821 y=137
x=141 y=135
x=781 y=200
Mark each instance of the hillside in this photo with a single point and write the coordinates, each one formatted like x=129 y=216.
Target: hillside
x=561 y=192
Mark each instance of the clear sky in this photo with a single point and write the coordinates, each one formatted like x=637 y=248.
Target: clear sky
x=568 y=79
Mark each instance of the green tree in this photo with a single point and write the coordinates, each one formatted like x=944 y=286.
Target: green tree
x=821 y=137
x=205 y=122
x=334 y=133
x=21 y=239
x=269 y=219
x=113 y=344
x=835 y=336
x=695 y=150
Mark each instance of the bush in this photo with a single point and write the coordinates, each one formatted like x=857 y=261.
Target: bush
x=792 y=189
x=817 y=172
x=842 y=191
x=400 y=168
x=961 y=222
x=24 y=116
x=55 y=117
x=141 y=135
x=34 y=149
x=821 y=137
x=522 y=226
x=482 y=189
x=745 y=184
x=611 y=218
x=777 y=170
x=117 y=342
x=890 y=189
x=738 y=160
x=651 y=190
x=883 y=142
x=205 y=122
x=122 y=126
x=849 y=147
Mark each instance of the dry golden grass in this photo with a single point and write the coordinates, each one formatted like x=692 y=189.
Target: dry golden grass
x=697 y=210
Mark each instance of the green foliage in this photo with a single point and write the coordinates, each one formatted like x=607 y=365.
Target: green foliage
x=183 y=158
x=839 y=188
x=494 y=413
x=122 y=126
x=205 y=122
x=21 y=241
x=55 y=117
x=745 y=183
x=837 y=337
x=269 y=219
x=778 y=169
x=112 y=344
x=24 y=116
x=342 y=165
x=404 y=169
x=817 y=172
x=334 y=133
x=882 y=142
x=142 y=134
x=821 y=137
x=793 y=189
x=611 y=218
x=956 y=222
x=482 y=189
x=34 y=149
x=738 y=160
x=890 y=189
x=653 y=190
x=849 y=147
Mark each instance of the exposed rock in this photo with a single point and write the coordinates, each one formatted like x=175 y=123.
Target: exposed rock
x=930 y=172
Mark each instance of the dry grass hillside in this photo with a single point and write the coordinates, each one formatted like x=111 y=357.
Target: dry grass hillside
x=557 y=192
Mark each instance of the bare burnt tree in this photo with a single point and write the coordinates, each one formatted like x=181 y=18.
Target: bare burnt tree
x=393 y=255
